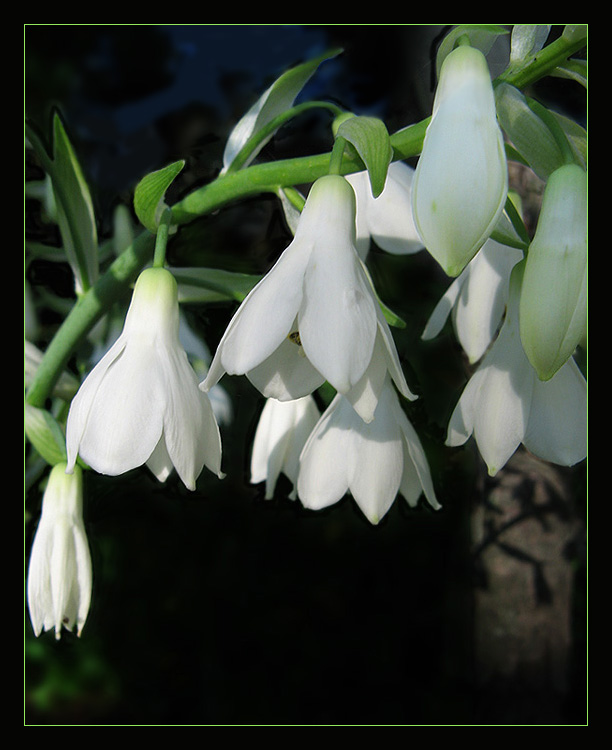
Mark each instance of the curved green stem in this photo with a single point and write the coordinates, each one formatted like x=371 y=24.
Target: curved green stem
x=88 y=309
x=335 y=161
x=161 y=239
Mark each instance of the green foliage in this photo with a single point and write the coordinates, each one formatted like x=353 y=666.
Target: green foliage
x=369 y=137
x=150 y=192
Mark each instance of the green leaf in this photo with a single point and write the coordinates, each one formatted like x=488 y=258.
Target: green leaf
x=574 y=70
x=212 y=284
x=393 y=319
x=480 y=35
x=73 y=203
x=278 y=98
x=150 y=192
x=529 y=135
x=45 y=434
x=370 y=138
x=527 y=40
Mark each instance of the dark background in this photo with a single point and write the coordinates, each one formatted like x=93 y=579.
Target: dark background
x=218 y=607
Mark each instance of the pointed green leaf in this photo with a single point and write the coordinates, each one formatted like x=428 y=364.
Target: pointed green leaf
x=150 y=192
x=74 y=208
x=526 y=131
x=370 y=138
x=278 y=98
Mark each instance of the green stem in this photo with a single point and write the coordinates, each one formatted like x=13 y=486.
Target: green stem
x=161 y=239
x=335 y=161
x=88 y=309
x=550 y=57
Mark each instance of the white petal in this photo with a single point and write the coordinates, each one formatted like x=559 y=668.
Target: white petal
x=159 y=462
x=483 y=297
x=393 y=362
x=416 y=466
x=81 y=404
x=264 y=318
x=461 y=423
x=337 y=321
x=282 y=431
x=191 y=433
x=376 y=466
x=323 y=477
x=125 y=420
x=557 y=429
x=441 y=311
x=268 y=434
x=389 y=218
x=503 y=405
x=286 y=374
x=364 y=395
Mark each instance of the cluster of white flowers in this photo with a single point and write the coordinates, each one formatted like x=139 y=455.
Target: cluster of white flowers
x=315 y=318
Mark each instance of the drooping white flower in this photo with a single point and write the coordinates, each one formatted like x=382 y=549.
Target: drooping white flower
x=553 y=309
x=461 y=179
x=314 y=316
x=282 y=431
x=141 y=403
x=60 y=573
x=476 y=299
x=386 y=219
x=373 y=461
x=505 y=404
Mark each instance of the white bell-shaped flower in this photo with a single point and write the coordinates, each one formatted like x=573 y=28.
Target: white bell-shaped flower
x=461 y=180
x=141 y=403
x=60 y=574
x=314 y=316
x=553 y=310
x=476 y=299
x=373 y=461
x=282 y=431
x=505 y=404
x=386 y=219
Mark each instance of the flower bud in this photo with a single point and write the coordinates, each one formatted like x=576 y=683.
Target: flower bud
x=553 y=306
x=60 y=575
x=461 y=180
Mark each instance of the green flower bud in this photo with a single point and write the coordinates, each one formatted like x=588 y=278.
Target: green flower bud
x=553 y=307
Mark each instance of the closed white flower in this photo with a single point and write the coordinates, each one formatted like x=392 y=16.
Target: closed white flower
x=314 y=316
x=461 y=180
x=141 y=403
x=373 y=461
x=386 y=219
x=505 y=404
x=59 y=574
x=476 y=299
x=282 y=431
x=553 y=311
